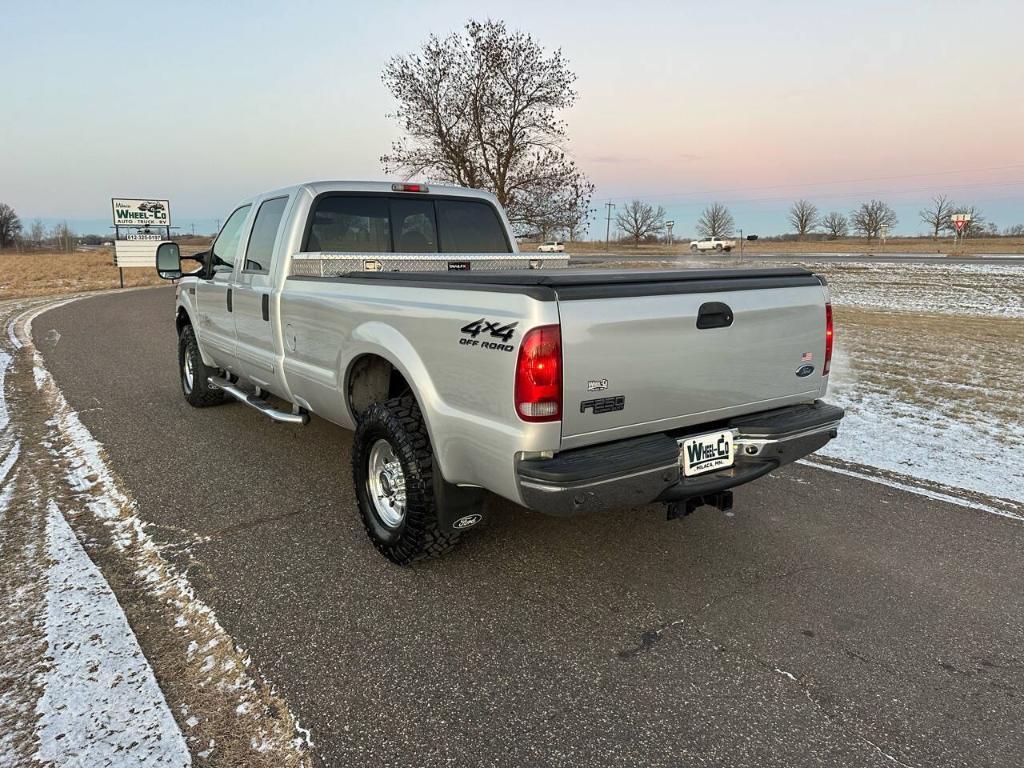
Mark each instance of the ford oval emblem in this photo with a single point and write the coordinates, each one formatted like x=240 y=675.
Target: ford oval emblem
x=467 y=521
x=804 y=371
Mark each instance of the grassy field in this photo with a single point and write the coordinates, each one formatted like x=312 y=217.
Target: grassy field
x=38 y=273
x=856 y=245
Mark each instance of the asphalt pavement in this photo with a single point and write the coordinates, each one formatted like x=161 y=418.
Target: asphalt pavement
x=827 y=621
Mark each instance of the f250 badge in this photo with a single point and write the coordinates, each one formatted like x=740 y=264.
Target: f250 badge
x=493 y=329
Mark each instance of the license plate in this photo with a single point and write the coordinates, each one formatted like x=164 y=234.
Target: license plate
x=706 y=453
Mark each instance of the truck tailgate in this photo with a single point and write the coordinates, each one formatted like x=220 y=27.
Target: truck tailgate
x=639 y=363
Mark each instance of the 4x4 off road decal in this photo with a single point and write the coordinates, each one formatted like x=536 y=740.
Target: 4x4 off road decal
x=490 y=330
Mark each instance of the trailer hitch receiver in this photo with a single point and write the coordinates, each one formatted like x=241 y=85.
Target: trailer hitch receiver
x=683 y=507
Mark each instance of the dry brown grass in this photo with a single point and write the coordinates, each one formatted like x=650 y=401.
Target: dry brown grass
x=942 y=246
x=49 y=274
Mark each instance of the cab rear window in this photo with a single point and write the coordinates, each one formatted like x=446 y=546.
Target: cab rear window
x=386 y=224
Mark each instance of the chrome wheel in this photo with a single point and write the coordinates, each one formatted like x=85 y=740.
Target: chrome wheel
x=188 y=374
x=385 y=484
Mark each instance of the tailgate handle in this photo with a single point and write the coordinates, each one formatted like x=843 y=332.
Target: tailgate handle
x=714 y=314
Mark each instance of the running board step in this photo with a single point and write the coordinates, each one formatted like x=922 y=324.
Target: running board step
x=300 y=416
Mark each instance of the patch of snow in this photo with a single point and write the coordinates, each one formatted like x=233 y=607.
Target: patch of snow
x=923 y=442
x=10 y=458
x=5 y=363
x=981 y=290
x=101 y=705
x=787 y=674
x=39 y=374
x=5 y=498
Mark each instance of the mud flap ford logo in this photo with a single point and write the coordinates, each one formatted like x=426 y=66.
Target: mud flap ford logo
x=466 y=522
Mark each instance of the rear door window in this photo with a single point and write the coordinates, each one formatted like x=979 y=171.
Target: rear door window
x=264 y=234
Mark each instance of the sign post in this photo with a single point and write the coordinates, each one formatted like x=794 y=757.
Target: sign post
x=138 y=218
x=960 y=224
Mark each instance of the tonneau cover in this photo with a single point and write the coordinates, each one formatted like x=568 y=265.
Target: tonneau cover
x=581 y=277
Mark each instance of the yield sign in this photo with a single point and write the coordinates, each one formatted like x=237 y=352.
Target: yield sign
x=959 y=224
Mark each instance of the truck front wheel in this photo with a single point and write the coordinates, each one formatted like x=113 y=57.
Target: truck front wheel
x=393 y=475
x=693 y=249
x=193 y=372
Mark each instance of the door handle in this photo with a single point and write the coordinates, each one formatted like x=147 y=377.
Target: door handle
x=266 y=307
x=714 y=314
x=229 y=299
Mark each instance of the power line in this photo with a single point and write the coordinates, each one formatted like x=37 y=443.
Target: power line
x=608 y=228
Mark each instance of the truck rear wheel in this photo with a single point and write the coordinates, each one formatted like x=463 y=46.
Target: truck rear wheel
x=393 y=475
x=693 y=249
x=193 y=373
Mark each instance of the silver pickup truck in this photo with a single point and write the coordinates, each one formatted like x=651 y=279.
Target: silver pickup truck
x=408 y=314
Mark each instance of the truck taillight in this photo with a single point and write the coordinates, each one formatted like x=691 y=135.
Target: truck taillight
x=409 y=188
x=538 y=389
x=828 y=340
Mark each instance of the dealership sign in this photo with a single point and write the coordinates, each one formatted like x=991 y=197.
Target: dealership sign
x=141 y=213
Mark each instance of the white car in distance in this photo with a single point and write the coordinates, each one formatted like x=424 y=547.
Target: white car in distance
x=552 y=246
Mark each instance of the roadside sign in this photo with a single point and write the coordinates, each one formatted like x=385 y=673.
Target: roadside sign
x=136 y=253
x=141 y=213
x=960 y=221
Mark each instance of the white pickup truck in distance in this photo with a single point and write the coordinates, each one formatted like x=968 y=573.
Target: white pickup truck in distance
x=552 y=246
x=406 y=314
x=712 y=244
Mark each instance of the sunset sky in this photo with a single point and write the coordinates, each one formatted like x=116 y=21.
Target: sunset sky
x=681 y=103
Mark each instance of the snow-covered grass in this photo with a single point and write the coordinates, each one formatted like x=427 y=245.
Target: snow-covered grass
x=932 y=395
x=982 y=290
x=101 y=705
x=85 y=691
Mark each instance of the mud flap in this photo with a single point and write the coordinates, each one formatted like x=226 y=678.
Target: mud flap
x=458 y=508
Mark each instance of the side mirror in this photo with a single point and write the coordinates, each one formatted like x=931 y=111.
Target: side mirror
x=168 y=261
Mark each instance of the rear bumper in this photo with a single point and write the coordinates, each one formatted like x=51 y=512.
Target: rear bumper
x=646 y=469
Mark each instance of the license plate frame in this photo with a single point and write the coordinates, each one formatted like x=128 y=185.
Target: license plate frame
x=710 y=456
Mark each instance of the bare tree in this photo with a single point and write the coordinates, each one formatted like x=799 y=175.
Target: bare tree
x=937 y=216
x=577 y=209
x=481 y=109
x=63 y=237
x=803 y=215
x=638 y=220
x=36 y=233
x=835 y=224
x=10 y=225
x=873 y=217
x=715 y=221
x=1015 y=230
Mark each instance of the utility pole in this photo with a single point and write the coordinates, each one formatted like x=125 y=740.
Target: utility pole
x=741 y=243
x=608 y=228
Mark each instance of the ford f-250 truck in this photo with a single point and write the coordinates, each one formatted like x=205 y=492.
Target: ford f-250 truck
x=407 y=314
